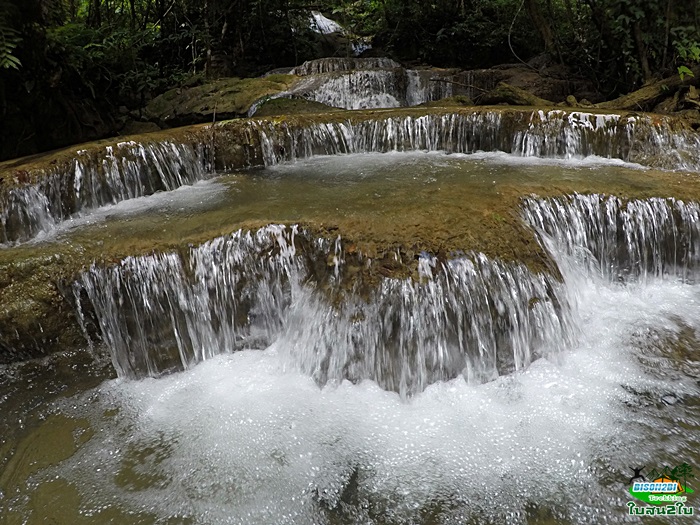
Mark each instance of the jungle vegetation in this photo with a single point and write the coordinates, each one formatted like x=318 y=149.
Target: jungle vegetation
x=67 y=66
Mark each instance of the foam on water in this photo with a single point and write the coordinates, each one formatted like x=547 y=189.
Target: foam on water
x=380 y=162
x=241 y=439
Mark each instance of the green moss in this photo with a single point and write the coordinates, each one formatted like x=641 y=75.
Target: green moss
x=226 y=98
x=456 y=101
x=292 y=106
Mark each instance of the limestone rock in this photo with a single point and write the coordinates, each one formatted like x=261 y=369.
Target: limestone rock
x=222 y=99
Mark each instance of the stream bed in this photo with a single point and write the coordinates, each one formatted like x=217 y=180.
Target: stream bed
x=531 y=403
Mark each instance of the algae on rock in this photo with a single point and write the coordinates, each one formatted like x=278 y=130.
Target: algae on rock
x=221 y=99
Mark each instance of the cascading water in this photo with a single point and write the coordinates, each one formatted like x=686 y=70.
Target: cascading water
x=334 y=65
x=371 y=83
x=477 y=391
x=273 y=447
x=132 y=170
x=360 y=89
x=556 y=134
x=471 y=316
x=423 y=86
x=325 y=26
x=637 y=239
x=123 y=172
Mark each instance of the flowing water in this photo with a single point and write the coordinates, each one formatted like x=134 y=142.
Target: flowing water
x=130 y=170
x=371 y=83
x=475 y=391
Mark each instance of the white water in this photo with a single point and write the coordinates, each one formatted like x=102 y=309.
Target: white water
x=199 y=196
x=325 y=26
x=255 y=437
x=93 y=180
x=368 y=84
x=244 y=439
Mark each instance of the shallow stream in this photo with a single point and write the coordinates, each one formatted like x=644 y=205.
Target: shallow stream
x=254 y=436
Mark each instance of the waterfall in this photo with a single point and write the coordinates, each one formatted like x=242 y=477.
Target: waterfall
x=472 y=315
x=336 y=64
x=556 y=134
x=325 y=26
x=360 y=89
x=129 y=169
x=124 y=171
x=453 y=132
x=621 y=240
x=425 y=86
x=371 y=83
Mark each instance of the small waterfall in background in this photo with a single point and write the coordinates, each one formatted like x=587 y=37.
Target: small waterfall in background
x=334 y=65
x=373 y=83
x=323 y=25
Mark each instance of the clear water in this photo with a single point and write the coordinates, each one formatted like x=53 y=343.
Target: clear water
x=362 y=193
x=245 y=438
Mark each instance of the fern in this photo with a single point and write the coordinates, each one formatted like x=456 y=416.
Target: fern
x=9 y=40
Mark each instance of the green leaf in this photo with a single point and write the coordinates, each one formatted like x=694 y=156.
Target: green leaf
x=684 y=71
x=695 y=53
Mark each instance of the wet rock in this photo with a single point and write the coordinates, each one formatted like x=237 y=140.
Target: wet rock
x=291 y=106
x=133 y=127
x=506 y=94
x=219 y=100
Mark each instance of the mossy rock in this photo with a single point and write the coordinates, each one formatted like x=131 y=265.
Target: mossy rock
x=449 y=102
x=221 y=99
x=292 y=106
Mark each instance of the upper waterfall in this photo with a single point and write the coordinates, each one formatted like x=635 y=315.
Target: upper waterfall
x=336 y=64
x=369 y=83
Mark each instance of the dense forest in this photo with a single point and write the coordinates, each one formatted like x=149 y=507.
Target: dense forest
x=67 y=66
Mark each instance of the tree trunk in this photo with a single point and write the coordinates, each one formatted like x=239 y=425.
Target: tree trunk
x=132 y=8
x=207 y=36
x=641 y=51
x=646 y=98
x=543 y=27
x=505 y=93
x=667 y=33
x=94 y=15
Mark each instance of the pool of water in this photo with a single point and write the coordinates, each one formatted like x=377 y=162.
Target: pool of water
x=245 y=438
x=383 y=198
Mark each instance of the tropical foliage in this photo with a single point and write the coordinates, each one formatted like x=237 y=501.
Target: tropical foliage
x=71 y=65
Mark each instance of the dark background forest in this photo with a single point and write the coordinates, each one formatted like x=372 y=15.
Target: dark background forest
x=69 y=67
